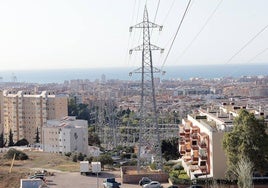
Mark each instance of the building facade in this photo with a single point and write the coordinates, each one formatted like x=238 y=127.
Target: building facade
x=24 y=114
x=201 y=136
x=66 y=135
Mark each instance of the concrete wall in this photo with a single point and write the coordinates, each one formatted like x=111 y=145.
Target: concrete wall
x=135 y=178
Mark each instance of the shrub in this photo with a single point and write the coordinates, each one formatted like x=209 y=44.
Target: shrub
x=80 y=157
x=68 y=154
x=22 y=142
x=74 y=158
x=133 y=155
x=19 y=155
x=178 y=167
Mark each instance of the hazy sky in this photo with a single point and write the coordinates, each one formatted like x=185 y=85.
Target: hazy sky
x=38 y=34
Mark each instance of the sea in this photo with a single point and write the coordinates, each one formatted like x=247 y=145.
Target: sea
x=171 y=72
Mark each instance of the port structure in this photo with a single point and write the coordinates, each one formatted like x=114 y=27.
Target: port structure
x=149 y=136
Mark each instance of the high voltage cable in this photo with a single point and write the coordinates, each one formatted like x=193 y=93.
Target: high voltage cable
x=243 y=47
x=249 y=61
x=156 y=10
x=257 y=55
x=202 y=28
x=132 y=18
x=176 y=33
x=169 y=10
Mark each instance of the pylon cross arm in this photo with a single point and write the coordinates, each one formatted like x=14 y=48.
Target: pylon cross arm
x=142 y=47
x=146 y=24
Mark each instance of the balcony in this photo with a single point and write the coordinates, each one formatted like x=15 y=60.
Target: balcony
x=195 y=147
x=187 y=130
x=182 y=142
x=182 y=133
x=202 y=144
x=203 y=157
x=194 y=136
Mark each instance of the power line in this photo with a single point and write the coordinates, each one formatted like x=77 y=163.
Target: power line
x=127 y=57
x=156 y=10
x=169 y=10
x=202 y=28
x=189 y=2
x=243 y=47
x=257 y=55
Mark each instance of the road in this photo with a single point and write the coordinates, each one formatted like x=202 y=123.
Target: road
x=74 y=179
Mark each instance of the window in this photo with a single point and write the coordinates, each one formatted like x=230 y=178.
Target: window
x=202 y=163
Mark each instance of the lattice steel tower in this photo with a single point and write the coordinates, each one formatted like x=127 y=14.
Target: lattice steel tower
x=149 y=138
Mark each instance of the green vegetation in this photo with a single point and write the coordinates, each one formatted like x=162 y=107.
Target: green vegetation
x=170 y=149
x=177 y=175
x=247 y=140
x=2 y=142
x=104 y=159
x=37 y=137
x=22 y=142
x=244 y=173
x=10 y=140
x=19 y=155
x=93 y=139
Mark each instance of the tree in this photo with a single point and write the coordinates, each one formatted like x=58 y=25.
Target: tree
x=10 y=142
x=72 y=108
x=247 y=139
x=170 y=149
x=19 y=155
x=22 y=142
x=104 y=159
x=244 y=172
x=2 y=142
x=93 y=139
x=37 y=137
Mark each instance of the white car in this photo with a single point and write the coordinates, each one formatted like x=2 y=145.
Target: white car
x=153 y=184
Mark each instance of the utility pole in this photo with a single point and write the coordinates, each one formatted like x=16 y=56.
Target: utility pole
x=149 y=137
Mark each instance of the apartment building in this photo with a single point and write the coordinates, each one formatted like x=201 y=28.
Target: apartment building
x=24 y=113
x=65 y=135
x=201 y=136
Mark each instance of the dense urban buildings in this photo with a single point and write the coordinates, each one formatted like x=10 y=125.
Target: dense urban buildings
x=197 y=112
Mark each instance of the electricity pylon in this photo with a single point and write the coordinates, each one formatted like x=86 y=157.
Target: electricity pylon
x=149 y=137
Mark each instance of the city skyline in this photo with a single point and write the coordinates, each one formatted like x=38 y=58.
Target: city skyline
x=83 y=34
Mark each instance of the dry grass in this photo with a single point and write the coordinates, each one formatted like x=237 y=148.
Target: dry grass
x=38 y=160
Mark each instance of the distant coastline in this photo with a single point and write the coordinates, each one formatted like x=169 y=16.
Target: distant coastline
x=172 y=72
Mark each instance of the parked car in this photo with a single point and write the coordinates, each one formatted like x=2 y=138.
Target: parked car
x=196 y=186
x=173 y=186
x=153 y=184
x=144 y=180
x=111 y=183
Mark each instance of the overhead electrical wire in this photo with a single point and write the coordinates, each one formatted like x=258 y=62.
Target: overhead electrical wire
x=169 y=10
x=202 y=28
x=129 y=37
x=257 y=55
x=245 y=45
x=156 y=10
x=175 y=36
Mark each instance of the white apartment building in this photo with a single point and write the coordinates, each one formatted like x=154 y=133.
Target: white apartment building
x=25 y=113
x=201 y=136
x=66 y=135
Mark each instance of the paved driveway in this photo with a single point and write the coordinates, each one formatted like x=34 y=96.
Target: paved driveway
x=74 y=180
